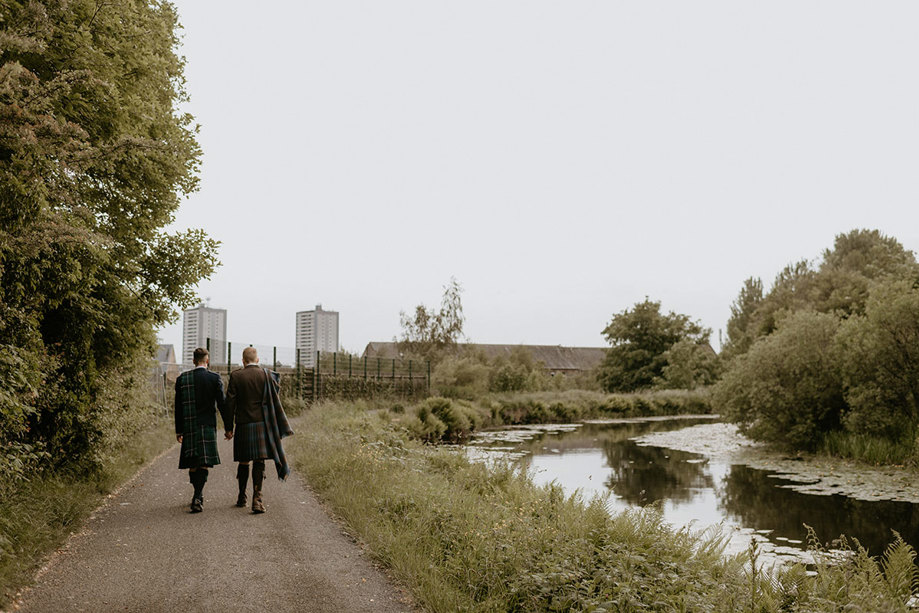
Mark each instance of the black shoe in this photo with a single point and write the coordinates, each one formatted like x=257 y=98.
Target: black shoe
x=197 y=505
x=242 y=479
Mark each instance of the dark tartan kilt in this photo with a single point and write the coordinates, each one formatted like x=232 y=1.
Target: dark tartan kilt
x=200 y=450
x=250 y=442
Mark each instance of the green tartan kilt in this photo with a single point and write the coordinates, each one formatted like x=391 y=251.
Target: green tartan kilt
x=199 y=448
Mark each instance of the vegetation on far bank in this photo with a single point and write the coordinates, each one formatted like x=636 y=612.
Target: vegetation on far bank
x=463 y=537
x=453 y=420
x=827 y=360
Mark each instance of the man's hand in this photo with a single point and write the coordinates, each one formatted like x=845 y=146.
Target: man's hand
x=179 y=437
x=227 y=435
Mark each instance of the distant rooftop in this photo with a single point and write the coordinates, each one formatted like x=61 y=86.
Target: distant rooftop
x=554 y=357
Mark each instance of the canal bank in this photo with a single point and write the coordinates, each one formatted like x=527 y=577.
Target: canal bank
x=704 y=475
x=464 y=536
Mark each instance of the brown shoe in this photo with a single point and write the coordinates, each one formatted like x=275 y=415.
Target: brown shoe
x=258 y=475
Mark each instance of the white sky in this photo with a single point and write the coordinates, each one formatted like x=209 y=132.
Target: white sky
x=561 y=159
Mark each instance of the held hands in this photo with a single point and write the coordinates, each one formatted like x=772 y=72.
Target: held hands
x=227 y=435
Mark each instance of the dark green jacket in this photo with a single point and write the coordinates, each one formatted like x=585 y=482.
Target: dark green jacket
x=208 y=400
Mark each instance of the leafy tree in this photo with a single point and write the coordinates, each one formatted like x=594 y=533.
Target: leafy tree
x=640 y=339
x=94 y=161
x=840 y=283
x=788 y=388
x=428 y=333
x=517 y=372
x=866 y=382
x=740 y=334
x=857 y=260
x=880 y=362
x=461 y=377
x=690 y=364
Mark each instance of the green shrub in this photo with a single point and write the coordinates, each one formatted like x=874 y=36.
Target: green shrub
x=787 y=389
x=465 y=377
x=453 y=420
x=425 y=426
x=456 y=419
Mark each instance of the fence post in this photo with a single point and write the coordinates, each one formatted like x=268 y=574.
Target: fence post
x=429 y=377
x=350 y=360
x=365 y=366
x=229 y=358
x=334 y=363
x=299 y=386
x=317 y=383
x=208 y=345
x=379 y=365
x=274 y=357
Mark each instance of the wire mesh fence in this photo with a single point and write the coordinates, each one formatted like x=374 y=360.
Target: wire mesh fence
x=319 y=376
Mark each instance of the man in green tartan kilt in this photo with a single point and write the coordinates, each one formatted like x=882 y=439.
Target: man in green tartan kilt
x=199 y=394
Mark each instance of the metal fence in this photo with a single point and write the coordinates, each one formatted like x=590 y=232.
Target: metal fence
x=321 y=376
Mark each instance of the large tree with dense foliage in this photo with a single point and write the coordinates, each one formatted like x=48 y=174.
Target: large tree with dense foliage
x=839 y=283
x=879 y=360
x=831 y=347
x=641 y=339
x=95 y=157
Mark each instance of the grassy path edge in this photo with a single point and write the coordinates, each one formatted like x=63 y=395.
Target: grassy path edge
x=41 y=517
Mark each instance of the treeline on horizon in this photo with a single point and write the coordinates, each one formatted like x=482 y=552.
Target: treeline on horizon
x=826 y=359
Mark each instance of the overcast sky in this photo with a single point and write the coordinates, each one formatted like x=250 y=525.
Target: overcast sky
x=562 y=160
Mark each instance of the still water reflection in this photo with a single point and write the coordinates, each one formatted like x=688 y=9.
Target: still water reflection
x=600 y=459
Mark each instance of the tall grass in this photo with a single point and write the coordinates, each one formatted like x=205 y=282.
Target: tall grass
x=38 y=515
x=871 y=449
x=464 y=537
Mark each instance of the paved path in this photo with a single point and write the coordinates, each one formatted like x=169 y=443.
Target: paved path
x=143 y=551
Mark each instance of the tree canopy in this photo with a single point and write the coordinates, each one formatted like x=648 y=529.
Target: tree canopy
x=830 y=348
x=641 y=340
x=427 y=333
x=95 y=158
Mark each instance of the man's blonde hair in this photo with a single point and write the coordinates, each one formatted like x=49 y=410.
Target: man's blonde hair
x=250 y=355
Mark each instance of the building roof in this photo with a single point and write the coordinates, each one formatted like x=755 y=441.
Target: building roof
x=554 y=357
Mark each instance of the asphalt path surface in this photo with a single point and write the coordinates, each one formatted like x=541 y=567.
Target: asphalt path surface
x=143 y=551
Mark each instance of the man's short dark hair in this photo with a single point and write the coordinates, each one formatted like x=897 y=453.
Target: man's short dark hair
x=200 y=354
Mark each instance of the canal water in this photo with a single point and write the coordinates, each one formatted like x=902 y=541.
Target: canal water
x=694 y=490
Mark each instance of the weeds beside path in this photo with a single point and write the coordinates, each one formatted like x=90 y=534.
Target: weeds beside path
x=38 y=516
x=464 y=537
